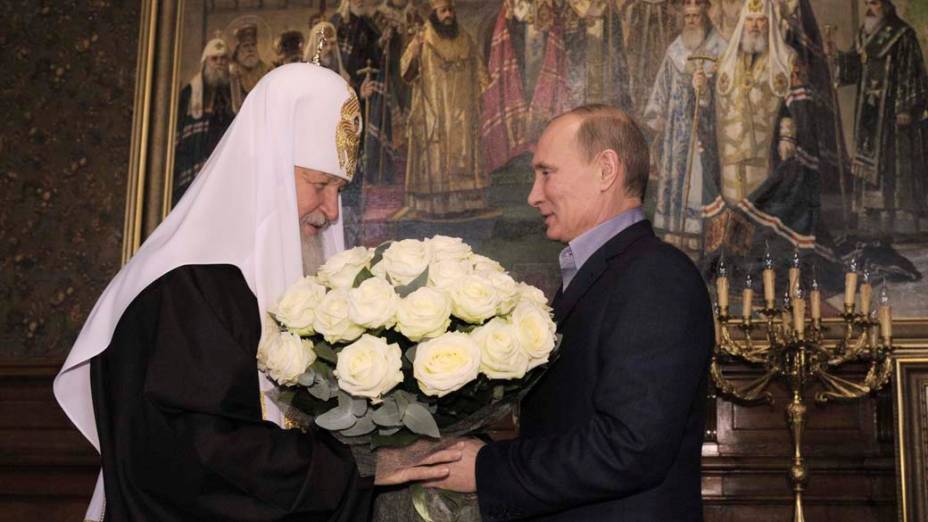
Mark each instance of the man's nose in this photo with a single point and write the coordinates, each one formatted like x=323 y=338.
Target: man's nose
x=535 y=196
x=329 y=205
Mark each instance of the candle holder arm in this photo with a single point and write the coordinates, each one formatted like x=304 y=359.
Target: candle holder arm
x=754 y=392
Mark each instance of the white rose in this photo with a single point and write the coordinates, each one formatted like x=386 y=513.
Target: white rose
x=369 y=367
x=332 y=318
x=535 y=331
x=373 y=304
x=506 y=288
x=340 y=270
x=485 y=264
x=444 y=247
x=297 y=308
x=423 y=313
x=531 y=294
x=284 y=356
x=405 y=260
x=445 y=273
x=473 y=299
x=501 y=356
x=445 y=364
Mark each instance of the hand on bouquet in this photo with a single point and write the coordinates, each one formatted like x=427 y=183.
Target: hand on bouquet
x=422 y=460
x=462 y=476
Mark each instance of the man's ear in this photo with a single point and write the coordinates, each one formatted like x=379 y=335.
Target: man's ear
x=611 y=169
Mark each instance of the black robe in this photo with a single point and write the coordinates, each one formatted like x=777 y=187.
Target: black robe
x=179 y=417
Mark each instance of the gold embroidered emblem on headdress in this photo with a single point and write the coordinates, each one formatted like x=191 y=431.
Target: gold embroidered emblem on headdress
x=755 y=6
x=348 y=134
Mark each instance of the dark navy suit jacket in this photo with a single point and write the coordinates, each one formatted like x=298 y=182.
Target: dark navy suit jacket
x=614 y=429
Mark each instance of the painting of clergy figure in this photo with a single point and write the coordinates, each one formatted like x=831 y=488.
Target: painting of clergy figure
x=596 y=61
x=204 y=111
x=887 y=66
x=329 y=55
x=685 y=152
x=398 y=22
x=650 y=26
x=247 y=65
x=527 y=66
x=801 y=32
x=444 y=177
x=289 y=47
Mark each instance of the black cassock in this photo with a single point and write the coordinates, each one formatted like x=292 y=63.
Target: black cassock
x=179 y=416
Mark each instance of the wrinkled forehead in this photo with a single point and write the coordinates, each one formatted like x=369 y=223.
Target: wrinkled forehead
x=756 y=17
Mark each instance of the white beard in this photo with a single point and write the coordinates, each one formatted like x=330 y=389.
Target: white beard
x=693 y=37
x=872 y=23
x=753 y=44
x=313 y=256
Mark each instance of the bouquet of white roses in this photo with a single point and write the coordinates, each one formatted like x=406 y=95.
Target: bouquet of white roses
x=409 y=339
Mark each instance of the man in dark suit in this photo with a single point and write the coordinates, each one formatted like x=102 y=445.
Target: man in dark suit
x=614 y=430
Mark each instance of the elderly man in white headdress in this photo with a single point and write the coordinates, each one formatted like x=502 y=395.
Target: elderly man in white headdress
x=163 y=377
x=683 y=157
x=204 y=112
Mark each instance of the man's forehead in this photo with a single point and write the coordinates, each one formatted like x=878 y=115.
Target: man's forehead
x=755 y=16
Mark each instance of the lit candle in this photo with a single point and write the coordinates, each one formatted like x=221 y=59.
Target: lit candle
x=850 y=284
x=886 y=320
x=815 y=300
x=718 y=326
x=866 y=290
x=799 y=312
x=721 y=285
x=794 y=272
x=769 y=279
x=747 y=297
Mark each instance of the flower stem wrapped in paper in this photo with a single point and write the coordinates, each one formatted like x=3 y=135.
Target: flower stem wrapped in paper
x=412 y=339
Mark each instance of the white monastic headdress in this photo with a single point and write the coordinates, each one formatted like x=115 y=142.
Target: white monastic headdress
x=316 y=37
x=779 y=54
x=241 y=210
x=214 y=47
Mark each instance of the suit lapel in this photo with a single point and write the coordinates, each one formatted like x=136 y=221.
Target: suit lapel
x=593 y=268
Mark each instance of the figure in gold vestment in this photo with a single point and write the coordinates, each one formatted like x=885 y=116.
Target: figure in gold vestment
x=443 y=172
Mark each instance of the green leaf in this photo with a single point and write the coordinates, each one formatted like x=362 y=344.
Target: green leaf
x=363 y=426
x=325 y=352
x=386 y=432
x=321 y=389
x=378 y=252
x=418 y=419
x=388 y=414
x=337 y=419
x=411 y=354
x=417 y=283
x=308 y=377
x=400 y=439
x=358 y=406
x=362 y=276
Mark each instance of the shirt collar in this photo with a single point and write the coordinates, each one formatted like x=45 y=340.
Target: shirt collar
x=586 y=244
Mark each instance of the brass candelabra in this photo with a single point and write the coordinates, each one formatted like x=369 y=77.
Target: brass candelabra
x=788 y=346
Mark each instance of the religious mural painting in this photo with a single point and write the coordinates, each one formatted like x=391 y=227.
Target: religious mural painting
x=788 y=126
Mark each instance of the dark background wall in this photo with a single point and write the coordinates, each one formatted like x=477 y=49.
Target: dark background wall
x=66 y=95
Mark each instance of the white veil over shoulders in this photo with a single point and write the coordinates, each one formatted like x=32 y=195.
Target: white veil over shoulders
x=241 y=210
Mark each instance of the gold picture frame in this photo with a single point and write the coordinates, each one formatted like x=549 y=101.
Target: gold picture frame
x=910 y=408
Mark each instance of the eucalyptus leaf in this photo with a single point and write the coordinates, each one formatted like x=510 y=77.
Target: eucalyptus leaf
x=386 y=432
x=321 y=389
x=417 y=283
x=418 y=419
x=358 y=406
x=337 y=419
x=378 y=252
x=388 y=414
x=325 y=352
x=363 y=426
x=411 y=354
x=403 y=399
x=308 y=377
x=362 y=276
